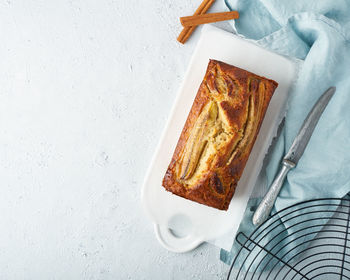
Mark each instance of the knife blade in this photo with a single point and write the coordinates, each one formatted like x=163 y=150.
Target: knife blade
x=293 y=155
x=302 y=139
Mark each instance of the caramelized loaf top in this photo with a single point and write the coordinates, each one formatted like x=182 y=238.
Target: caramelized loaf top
x=218 y=135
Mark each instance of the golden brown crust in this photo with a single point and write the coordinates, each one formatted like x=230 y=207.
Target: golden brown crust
x=219 y=134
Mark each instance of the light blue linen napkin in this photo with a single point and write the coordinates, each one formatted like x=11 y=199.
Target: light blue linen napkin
x=317 y=32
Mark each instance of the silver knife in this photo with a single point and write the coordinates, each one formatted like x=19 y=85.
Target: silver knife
x=292 y=157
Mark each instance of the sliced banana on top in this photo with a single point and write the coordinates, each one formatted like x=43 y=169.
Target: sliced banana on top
x=197 y=141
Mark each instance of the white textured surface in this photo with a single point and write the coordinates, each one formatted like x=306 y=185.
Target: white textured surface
x=85 y=89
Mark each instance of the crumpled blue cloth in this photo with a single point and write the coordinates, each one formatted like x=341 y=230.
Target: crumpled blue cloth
x=317 y=32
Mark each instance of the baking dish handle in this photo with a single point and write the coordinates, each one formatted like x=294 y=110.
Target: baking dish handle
x=173 y=243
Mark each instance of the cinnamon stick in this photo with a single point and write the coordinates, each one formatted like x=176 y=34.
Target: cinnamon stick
x=187 y=31
x=208 y=18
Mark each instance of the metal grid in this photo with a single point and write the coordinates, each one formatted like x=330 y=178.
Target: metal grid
x=309 y=240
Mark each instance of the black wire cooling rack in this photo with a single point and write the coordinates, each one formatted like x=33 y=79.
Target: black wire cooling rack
x=309 y=240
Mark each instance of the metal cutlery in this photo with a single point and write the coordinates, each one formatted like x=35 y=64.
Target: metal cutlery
x=292 y=157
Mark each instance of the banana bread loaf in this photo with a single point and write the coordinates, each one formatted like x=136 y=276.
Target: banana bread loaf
x=218 y=135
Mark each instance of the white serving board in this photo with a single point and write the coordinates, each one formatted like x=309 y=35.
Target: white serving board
x=205 y=223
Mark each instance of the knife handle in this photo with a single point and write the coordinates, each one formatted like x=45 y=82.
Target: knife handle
x=263 y=211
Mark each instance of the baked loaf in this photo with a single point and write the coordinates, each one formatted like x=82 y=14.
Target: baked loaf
x=219 y=134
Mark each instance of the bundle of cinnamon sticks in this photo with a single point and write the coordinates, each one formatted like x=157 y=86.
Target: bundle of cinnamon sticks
x=200 y=17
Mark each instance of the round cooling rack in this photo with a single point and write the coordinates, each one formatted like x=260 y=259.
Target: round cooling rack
x=309 y=240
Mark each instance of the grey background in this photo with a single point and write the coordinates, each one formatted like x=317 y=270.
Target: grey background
x=85 y=91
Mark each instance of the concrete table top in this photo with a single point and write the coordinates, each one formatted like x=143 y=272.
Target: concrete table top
x=85 y=90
